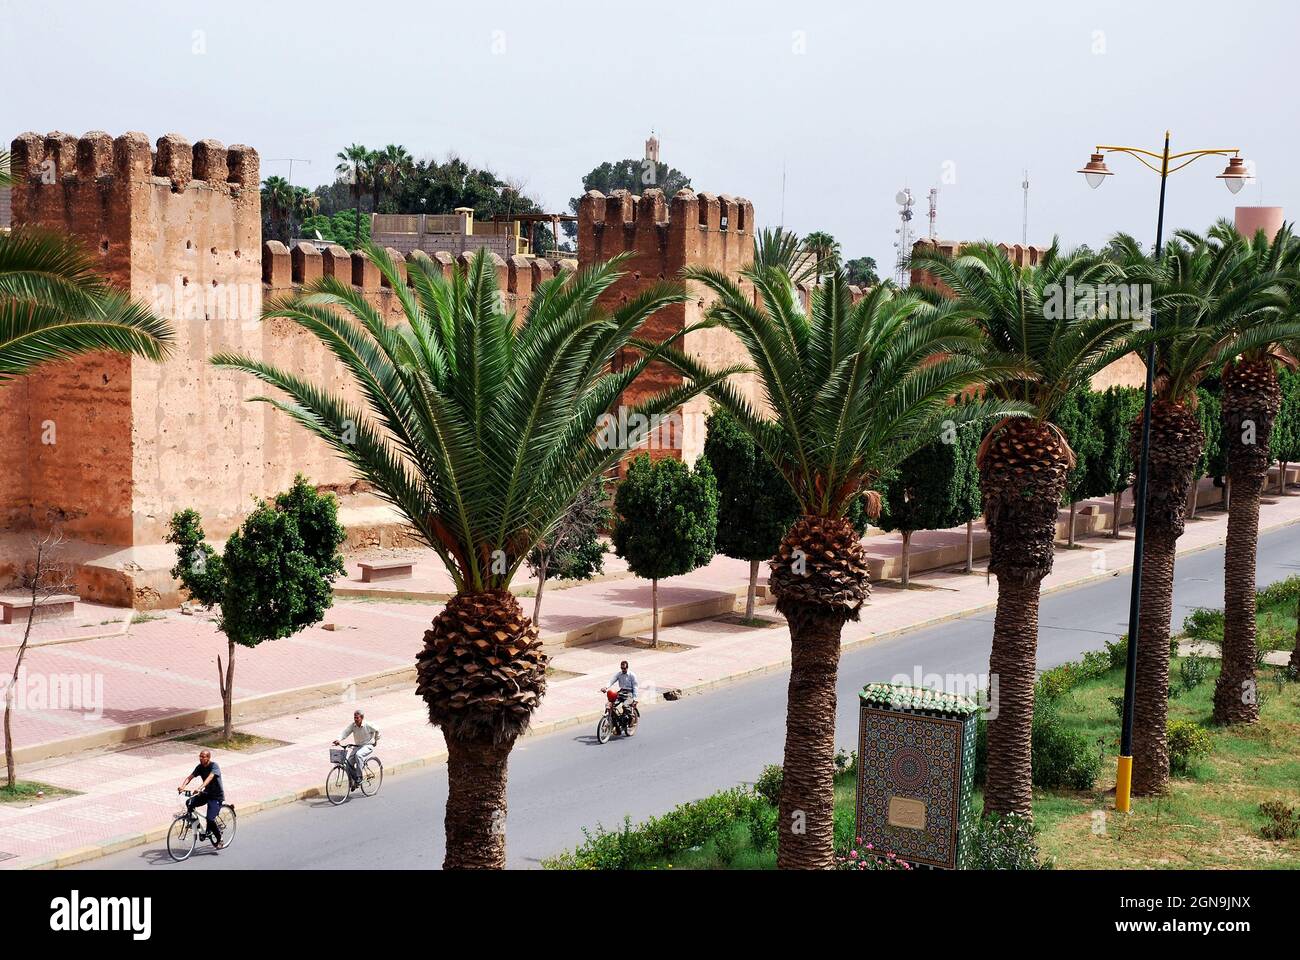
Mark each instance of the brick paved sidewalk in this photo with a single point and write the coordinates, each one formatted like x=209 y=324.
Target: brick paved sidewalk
x=167 y=665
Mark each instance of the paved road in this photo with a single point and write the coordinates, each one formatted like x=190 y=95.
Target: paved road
x=563 y=781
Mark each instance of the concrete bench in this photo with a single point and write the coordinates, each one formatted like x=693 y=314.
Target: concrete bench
x=397 y=570
x=16 y=607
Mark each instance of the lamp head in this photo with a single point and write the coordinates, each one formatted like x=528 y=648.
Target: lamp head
x=1235 y=175
x=1094 y=171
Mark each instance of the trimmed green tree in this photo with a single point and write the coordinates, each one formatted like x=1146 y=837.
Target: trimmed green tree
x=1079 y=418
x=665 y=521
x=755 y=505
x=574 y=550
x=1285 y=441
x=930 y=490
x=273 y=578
x=1209 y=413
x=1112 y=468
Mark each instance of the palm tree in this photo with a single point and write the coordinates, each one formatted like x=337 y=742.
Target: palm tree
x=278 y=197
x=825 y=252
x=853 y=390
x=779 y=247
x=1212 y=307
x=392 y=166
x=1023 y=462
x=354 y=165
x=482 y=433
x=1251 y=400
x=54 y=305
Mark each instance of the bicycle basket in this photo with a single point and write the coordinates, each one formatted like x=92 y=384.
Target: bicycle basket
x=338 y=755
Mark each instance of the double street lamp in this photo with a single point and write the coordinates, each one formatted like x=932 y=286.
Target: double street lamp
x=1234 y=177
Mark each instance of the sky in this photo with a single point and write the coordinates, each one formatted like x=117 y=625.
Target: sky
x=853 y=100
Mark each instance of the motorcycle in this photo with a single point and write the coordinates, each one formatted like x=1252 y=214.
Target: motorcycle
x=621 y=715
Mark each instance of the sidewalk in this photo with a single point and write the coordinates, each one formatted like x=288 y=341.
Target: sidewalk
x=155 y=670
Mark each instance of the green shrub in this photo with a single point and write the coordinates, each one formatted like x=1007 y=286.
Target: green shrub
x=726 y=846
x=762 y=827
x=768 y=784
x=1062 y=758
x=1282 y=821
x=1003 y=843
x=1204 y=625
x=1188 y=743
x=1193 y=671
x=686 y=825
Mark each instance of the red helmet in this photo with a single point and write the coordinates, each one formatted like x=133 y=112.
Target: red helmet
x=612 y=694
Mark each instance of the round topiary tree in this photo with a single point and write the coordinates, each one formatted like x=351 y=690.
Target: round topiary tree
x=1080 y=417
x=665 y=521
x=755 y=504
x=930 y=490
x=273 y=578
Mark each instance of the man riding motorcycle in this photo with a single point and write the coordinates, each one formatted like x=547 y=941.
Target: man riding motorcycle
x=625 y=681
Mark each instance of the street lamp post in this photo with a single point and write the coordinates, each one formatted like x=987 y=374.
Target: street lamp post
x=1095 y=172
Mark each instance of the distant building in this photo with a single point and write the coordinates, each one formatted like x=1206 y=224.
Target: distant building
x=455 y=233
x=652 y=148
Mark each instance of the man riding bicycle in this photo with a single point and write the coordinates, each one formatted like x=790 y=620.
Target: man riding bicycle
x=364 y=738
x=210 y=792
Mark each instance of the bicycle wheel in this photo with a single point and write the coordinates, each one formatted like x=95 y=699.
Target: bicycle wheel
x=604 y=729
x=372 y=777
x=336 y=785
x=182 y=836
x=226 y=822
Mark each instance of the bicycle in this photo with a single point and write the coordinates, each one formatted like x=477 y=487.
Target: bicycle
x=183 y=834
x=338 y=782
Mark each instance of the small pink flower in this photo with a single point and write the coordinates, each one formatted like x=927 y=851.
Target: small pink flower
x=853 y=854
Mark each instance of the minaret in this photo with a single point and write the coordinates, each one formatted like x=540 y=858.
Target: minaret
x=652 y=148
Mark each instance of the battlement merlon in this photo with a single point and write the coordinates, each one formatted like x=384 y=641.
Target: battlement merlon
x=283 y=268
x=57 y=157
x=623 y=221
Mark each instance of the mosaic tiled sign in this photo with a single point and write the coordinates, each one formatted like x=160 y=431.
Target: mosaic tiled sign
x=916 y=763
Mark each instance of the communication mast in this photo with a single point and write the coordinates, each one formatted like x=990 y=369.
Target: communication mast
x=934 y=210
x=1024 y=228
x=904 y=230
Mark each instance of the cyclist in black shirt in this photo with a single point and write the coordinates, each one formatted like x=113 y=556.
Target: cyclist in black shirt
x=210 y=792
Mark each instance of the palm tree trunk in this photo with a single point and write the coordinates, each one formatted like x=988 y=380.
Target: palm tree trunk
x=476 y=803
x=1235 y=698
x=907 y=559
x=807 y=809
x=1176 y=444
x=1021 y=509
x=1151 y=696
x=1251 y=400
x=1009 y=782
x=753 y=589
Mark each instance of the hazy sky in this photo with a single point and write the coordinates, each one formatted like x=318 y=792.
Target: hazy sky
x=856 y=99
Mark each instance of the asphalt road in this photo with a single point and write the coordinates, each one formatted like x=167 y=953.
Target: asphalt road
x=684 y=750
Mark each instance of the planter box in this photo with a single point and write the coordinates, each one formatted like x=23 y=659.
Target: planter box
x=916 y=764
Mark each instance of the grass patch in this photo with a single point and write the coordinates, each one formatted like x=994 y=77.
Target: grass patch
x=238 y=740
x=1211 y=817
x=32 y=791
